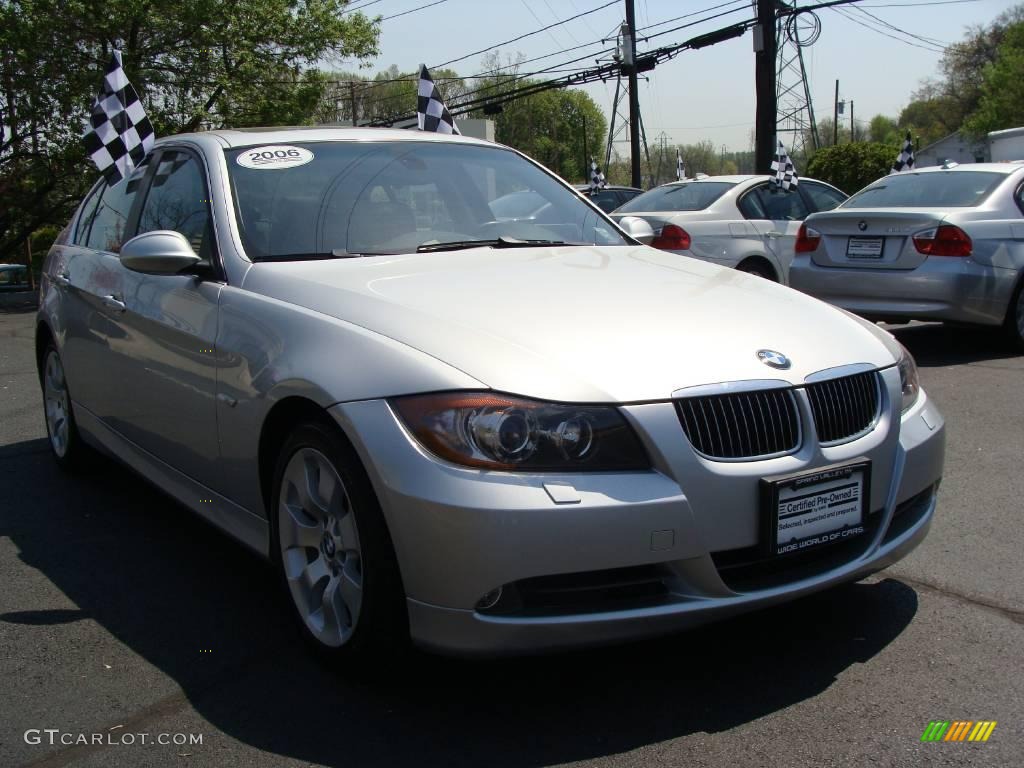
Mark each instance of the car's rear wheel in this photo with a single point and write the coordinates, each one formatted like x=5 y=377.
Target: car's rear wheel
x=1015 y=317
x=333 y=548
x=65 y=444
x=758 y=268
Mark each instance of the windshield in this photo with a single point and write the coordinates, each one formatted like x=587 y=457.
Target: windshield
x=694 y=196
x=336 y=199
x=944 y=189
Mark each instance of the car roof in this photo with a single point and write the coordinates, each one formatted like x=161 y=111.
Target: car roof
x=736 y=179
x=244 y=137
x=1005 y=168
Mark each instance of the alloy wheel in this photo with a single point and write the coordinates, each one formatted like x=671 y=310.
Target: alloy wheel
x=56 y=401
x=320 y=549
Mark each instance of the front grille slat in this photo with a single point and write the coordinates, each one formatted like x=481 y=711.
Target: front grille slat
x=746 y=425
x=844 y=408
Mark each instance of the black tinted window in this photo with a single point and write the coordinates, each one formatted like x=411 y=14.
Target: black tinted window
x=109 y=227
x=177 y=200
x=942 y=189
x=822 y=198
x=766 y=202
x=606 y=199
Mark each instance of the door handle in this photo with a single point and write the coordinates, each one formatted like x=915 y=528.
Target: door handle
x=114 y=303
x=774 y=235
x=63 y=279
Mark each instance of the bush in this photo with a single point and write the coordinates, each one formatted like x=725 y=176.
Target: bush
x=851 y=167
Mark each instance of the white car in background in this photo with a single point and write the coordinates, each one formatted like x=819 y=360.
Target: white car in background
x=734 y=221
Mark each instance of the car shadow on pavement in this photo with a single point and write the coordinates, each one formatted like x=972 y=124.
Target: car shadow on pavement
x=206 y=612
x=936 y=344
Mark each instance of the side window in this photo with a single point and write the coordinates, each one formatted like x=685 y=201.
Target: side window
x=88 y=213
x=765 y=202
x=178 y=201
x=750 y=205
x=1020 y=197
x=822 y=198
x=606 y=199
x=109 y=228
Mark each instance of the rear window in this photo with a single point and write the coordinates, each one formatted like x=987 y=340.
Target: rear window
x=694 y=196
x=948 y=189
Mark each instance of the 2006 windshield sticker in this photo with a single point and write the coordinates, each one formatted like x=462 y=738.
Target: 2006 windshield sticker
x=274 y=158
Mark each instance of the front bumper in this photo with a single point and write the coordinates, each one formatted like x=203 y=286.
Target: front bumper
x=460 y=534
x=941 y=288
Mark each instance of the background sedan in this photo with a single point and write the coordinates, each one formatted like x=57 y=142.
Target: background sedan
x=943 y=243
x=735 y=221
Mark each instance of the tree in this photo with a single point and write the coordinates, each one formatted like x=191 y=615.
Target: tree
x=195 y=63
x=1002 y=91
x=883 y=130
x=851 y=167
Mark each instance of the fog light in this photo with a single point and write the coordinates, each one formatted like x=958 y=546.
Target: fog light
x=489 y=600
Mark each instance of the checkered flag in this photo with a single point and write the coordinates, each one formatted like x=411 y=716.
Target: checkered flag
x=597 y=180
x=431 y=113
x=905 y=159
x=119 y=133
x=680 y=170
x=785 y=174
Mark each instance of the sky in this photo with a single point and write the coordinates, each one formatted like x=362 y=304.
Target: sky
x=702 y=94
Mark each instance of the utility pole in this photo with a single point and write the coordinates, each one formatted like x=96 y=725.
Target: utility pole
x=586 y=155
x=765 y=52
x=835 y=117
x=629 y=43
x=853 y=129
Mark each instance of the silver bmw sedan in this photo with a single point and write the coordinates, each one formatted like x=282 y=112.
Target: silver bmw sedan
x=943 y=243
x=483 y=434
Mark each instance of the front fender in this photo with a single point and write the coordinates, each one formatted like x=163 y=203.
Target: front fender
x=269 y=350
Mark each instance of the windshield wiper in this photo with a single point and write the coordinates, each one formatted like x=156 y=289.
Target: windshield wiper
x=501 y=242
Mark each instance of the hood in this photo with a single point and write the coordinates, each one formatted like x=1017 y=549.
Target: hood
x=579 y=323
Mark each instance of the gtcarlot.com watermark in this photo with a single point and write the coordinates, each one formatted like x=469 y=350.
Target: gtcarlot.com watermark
x=112 y=738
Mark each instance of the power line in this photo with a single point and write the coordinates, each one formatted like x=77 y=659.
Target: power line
x=524 y=36
x=744 y=3
x=413 y=10
x=847 y=15
x=880 y=20
x=357 y=7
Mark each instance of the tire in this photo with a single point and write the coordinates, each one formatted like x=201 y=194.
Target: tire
x=333 y=550
x=758 y=269
x=1014 y=325
x=66 y=444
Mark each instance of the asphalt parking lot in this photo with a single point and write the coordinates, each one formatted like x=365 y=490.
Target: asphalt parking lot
x=121 y=614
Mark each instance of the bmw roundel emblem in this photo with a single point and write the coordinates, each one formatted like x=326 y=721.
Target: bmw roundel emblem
x=772 y=358
x=862 y=225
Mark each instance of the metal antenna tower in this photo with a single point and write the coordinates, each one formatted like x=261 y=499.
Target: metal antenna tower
x=619 y=121
x=795 y=124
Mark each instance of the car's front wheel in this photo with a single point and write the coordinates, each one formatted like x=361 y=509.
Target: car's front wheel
x=333 y=548
x=65 y=443
x=1015 y=317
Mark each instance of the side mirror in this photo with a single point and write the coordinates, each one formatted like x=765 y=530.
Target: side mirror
x=637 y=228
x=161 y=252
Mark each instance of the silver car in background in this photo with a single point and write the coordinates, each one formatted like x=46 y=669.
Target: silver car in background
x=741 y=222
x=488 y=435
x=942 y=243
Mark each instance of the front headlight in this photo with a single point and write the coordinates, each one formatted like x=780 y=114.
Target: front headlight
x=491 y=431
x=908 y=378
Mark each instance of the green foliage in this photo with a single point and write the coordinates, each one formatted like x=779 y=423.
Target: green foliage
x=884 y=130
x=196 y=63
x=1002 y=91
x=851 y=167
